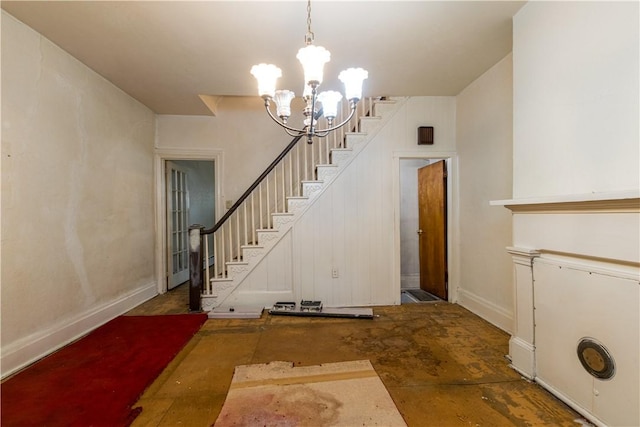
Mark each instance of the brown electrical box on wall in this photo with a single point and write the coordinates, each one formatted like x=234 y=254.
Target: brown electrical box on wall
x=425 y=135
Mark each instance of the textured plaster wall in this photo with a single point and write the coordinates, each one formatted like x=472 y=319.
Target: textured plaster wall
x=484 y=141
x=77 y=188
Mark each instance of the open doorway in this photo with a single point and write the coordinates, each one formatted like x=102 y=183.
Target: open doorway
x=190 y=199
x=205 y=201
x=423 y=230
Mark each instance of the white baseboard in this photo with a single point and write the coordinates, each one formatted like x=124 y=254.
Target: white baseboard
x=523 y=357
x=575 y=406
x=489 y=311
x=27 y=350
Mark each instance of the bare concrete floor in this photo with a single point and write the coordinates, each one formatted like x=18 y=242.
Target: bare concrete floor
x=442 y=365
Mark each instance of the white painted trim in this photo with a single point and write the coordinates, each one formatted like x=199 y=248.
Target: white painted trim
x=484 y=308
x=579 y=409
x=453 y=215
x=160 y=157
x=580 y=262
x=616 y=201
x=523 y=357
x=27 y=350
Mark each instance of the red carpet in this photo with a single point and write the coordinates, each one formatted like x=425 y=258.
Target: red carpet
x=96 y=380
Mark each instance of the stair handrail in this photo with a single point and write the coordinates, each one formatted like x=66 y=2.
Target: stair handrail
x=253 y=186
x=257 y=182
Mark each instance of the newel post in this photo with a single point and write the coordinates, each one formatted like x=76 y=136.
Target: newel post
x=195 y=267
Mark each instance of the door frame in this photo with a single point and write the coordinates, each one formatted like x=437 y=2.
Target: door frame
x=453 y=217
x=161 y=155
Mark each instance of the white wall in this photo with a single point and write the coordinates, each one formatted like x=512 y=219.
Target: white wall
x=484 y=141
x=77 y=198
x=576 y=201
x=576 y=98
x=241 y=129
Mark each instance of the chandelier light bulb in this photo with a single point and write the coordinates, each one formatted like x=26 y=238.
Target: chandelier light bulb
x=313 y=59
x=352 y=79
x=283 y=99
x=329 y=100
x=266 y=74
x=308 y=92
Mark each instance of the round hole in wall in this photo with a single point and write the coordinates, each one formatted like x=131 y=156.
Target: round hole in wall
x=596 y=359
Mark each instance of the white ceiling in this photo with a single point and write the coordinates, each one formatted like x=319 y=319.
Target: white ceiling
x=166 y=53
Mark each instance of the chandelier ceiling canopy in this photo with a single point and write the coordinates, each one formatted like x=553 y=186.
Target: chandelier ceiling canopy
x=324 y=104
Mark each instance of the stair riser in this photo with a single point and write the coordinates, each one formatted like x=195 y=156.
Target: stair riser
x=326 y=172
x=250 y=254
x=339 y=157
x=380 y=109
x=310 y=189
x=282 y=222
x=368 y=124
x=353 y=140
x=296 y=205
x=267 y=237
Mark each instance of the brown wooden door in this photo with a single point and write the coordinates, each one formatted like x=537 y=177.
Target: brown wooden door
x=432 y=220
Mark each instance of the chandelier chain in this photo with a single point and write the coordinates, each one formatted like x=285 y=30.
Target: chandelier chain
x=308 y=38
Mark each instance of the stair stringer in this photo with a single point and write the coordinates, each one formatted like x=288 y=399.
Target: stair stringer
x=230 y=292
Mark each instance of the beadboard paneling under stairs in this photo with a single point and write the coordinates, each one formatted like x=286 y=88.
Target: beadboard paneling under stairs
x=322 y=248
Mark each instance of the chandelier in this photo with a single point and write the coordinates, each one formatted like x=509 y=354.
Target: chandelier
x=320 y=104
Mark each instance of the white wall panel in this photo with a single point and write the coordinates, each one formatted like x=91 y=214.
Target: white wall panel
x=589 y=233
x=593 y=305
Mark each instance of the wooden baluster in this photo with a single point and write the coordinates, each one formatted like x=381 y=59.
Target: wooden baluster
x=290 y=155
x=260 y=210
x=216 y=256
x=207 y=278
x=275 y=189
x=230 y=240
x=246 y=234
x=238 y=247
x=253 y=218
x=284 y=186
x=268 y=205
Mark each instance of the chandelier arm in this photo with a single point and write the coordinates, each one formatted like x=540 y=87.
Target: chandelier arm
x=294 y=134
x=288 y=128
x=321 y=134
x=345 y=121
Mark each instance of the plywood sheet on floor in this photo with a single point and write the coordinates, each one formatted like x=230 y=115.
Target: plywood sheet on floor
x=333 y=394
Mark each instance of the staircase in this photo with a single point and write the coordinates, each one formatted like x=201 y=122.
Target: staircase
x=268 y=209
